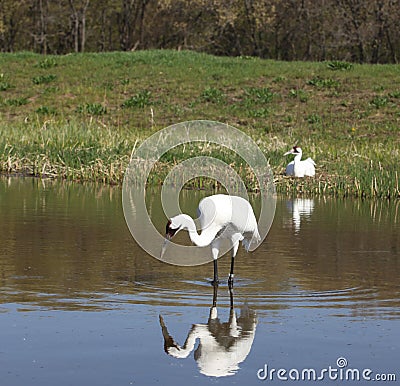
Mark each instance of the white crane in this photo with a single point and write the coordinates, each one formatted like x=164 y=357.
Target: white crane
x=297 y=167
x=221 y=217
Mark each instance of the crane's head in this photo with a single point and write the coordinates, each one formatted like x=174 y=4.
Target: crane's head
x=294 y=150
x=171 y=228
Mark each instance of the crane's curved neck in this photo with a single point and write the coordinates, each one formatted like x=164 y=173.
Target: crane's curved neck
x=297 y=158
x=172 y=348
x=205 y=238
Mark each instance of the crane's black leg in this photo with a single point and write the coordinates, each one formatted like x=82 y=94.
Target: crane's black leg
x=235 y=246
x=215 y=251
x=215 y=294
x=232 y=316
x=231 y=275
x=215 y=281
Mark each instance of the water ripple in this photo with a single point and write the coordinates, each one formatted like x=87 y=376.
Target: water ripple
x=359 y=301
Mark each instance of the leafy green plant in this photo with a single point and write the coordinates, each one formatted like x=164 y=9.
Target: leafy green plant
x=260 y=94
x=395 y=94
x=212 y=95
x=379 y=88
x=314 y=118
x=323 y=83
x=337 y=65
x=259 y=113
x=47 y=63
x=45 y=110
x=51 y=90
x=300 y=94
x=279 y=79
x=4 y=86
x=379 y=101
x=92 y=109
x=43 y=79
x=141 y=99
x=16 y=102
x=95 y=109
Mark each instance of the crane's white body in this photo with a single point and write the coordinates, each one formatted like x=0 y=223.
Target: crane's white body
x=300 y=168
x=221 y=217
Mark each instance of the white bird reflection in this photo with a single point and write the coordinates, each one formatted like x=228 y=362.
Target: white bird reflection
x=222 y=346
x=300 y=208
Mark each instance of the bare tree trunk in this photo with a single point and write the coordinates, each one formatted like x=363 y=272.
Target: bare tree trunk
x=39 y=27
x=79 y=25
x=251 y=24
x=351 y=12
x=131 y=23
x=307 y=28
x=83 y=25
x=141 y=14
x=75 y=23
x=10 y=35
x=43 y=29
x=392 y=52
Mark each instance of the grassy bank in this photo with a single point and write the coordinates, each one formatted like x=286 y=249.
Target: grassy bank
x=79 y=116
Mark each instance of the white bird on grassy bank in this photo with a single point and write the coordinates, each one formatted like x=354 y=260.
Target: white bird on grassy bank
x=297 y=167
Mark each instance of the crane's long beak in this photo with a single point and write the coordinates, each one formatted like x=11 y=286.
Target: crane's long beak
x=289 y=152
x=164 y=247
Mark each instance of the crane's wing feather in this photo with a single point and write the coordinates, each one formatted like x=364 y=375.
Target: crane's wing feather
x=228 y=217
x=290 y=169
x=310 y=160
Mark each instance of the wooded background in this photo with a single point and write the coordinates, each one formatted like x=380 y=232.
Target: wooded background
x=365 y=31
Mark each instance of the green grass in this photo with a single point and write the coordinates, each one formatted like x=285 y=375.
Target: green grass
x=78 y=116
x=43 y=79
x=140 y=99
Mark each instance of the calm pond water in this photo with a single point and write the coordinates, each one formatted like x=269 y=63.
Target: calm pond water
x=82 y=304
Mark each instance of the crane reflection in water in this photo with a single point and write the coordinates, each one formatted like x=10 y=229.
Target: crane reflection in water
x=222 y=346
